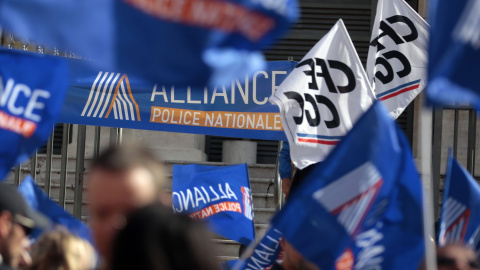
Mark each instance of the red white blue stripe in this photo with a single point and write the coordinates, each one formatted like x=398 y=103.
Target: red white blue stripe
x=399 y=90
x=319 y=139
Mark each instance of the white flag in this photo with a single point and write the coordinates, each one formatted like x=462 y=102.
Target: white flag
x=322 y=97
x=397 y=56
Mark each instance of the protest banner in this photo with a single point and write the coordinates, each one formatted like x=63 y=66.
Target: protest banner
x=219 y=195
x=323 y=97
x=397 y=56
x=32 y=89
x=238 y=109
x=361 y=208
x=460 y=220
x=172 y=42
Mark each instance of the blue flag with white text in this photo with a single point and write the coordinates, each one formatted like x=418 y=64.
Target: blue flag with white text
x=454 y=53
x=460 y=220
x=266 y=252
x=170 y=42
x=362 y=207
x=32 y=89
x=219 y=195
x=38 y=200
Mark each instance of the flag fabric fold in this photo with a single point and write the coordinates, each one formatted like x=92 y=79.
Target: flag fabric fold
x=460 y=220
x=361 y=208
x=32 y=90
x=171 y=42
x=454 y=53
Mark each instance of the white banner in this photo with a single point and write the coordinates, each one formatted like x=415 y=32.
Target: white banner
x=323 y=97
x=397 y=56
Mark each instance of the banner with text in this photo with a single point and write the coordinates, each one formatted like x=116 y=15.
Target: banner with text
x=240 y=109
x=219 y=195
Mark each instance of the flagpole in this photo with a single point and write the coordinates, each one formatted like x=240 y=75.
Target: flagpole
x=425 y=130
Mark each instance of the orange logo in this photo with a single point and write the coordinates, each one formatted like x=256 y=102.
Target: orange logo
x=345 y=262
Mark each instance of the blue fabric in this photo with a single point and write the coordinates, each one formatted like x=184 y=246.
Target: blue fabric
x=32 y=90
x=219 y=195
x=266 y=252
x=38 y=200
x=181 y=43
x=454 y=53
x=237 y=110
x=285 y=162
x=363 y=202
x=460 y=220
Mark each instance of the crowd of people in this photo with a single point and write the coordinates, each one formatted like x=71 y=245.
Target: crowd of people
x=133 y=226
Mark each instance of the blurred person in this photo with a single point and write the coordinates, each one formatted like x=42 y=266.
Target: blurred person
x=455 y=257
x=122 y=178
x=17 y=221
x=292 y=259
x=61 y=250
x=156 y=239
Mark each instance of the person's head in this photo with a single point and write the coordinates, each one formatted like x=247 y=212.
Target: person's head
x=121 y=179
x=62 y=251
x=17 y=220
x=456 y=257
x=154 y=238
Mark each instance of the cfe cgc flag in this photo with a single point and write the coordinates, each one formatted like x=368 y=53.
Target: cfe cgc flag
x=32 y=89
x=322 y=97
x=361 y=208
x=193 y=43
x=454 y=53
x=38 y=200
x=220 y=195
x=397 y=56
x=460 y=220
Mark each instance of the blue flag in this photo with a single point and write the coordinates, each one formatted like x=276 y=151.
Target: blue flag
x=266 y=252
x=170 y=42
x=219 y=195
x=460 y=220
x=454 y=53
x=38 y=200
x=361 y=208
x=32 y=89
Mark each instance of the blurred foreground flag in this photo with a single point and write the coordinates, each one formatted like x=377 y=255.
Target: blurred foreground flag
x=219 y=195
x=397 y=56
x=454 y=53
x=362 y=207
x=322 y=97
x=460 y=221
x=266 y=252
x=32 y=89
x=38 y=200
x=170 y=42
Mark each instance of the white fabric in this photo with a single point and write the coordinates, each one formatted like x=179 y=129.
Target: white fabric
x=401 y=88
x=311 y=142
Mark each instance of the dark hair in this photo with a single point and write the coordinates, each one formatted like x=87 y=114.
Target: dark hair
x=156 y=239
x=126 y=157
